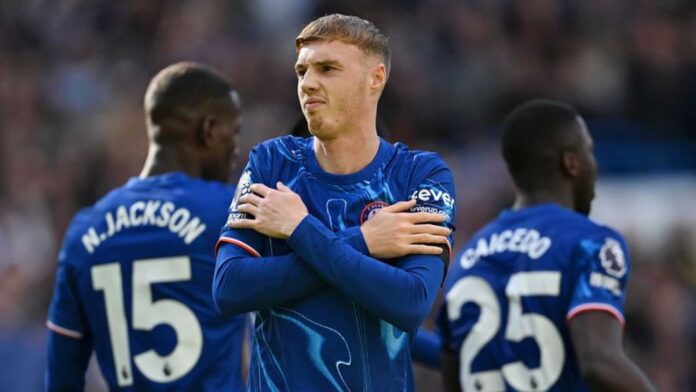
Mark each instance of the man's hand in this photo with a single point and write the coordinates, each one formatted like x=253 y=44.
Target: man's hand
x=277 y=213
x=395 y=232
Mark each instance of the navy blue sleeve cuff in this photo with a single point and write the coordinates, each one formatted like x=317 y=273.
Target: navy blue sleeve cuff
x=353 y=236
x=309 y=230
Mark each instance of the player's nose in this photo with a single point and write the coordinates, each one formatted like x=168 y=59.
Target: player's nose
x=309 y=82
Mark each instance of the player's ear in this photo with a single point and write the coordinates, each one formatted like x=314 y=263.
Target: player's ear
x=206 y=130
x=378 y=77
x=570 y=164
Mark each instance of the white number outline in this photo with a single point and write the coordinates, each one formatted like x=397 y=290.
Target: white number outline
x=520 y=325
x=146 y=315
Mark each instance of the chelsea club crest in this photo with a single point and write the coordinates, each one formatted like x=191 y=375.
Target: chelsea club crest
x=371 y=209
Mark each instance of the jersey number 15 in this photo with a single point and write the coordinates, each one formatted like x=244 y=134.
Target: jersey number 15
x=147 y=314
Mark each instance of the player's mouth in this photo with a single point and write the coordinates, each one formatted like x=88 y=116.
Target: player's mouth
x=313 y=103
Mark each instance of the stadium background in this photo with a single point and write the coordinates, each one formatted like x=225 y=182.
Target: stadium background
x=73 y=72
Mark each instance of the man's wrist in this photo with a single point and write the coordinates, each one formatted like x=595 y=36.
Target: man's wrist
x=293 y=229
x=305 y=235
x=355 y=237
x=366 y=240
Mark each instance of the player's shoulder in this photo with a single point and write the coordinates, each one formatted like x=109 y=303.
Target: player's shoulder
x=574 y=230
x=205 y=192
x=72 y=251
x=602 y=241
x=404 y=156
x=589 y=240
x=486 y=230
x=598 y=230
x=87 y=215
x=584 y=228
x=281 y=148
x=277 y=158
x=420 y=169
x=176 y=187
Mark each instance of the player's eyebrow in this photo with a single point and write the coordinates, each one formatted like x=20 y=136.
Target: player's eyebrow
x=318 y=63
x=321 y=63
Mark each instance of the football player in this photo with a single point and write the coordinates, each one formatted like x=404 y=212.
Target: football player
x=331 y=314
x=535 y=300
x=135 y=271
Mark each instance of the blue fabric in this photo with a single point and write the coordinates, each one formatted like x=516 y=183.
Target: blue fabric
x=401 y=296
x=276 y=280
x=329 y=316
x=561 y=262
x=67 y=362
x=244 y=283
x=427 y=348
x=169 y=223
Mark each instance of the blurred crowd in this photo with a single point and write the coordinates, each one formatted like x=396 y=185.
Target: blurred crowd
x=73 y=73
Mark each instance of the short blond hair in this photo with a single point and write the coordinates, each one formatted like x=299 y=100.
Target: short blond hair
x=348 y=29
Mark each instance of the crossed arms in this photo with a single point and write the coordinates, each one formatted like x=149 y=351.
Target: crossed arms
x=401 y=294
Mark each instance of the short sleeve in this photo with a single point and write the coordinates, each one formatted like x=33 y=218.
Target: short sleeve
x=434 y=192
x=65 y=315
x=249 y=240
x=600 y=281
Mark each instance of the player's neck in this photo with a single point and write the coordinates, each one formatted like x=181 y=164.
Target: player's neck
x=163 y=160
x=348 y=153
x=543 y=196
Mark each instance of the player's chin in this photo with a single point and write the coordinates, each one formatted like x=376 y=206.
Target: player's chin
x=316 y=124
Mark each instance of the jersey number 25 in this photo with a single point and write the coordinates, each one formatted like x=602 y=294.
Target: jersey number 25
x=519 y=326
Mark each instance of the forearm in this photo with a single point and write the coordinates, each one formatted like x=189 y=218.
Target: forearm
x=244 y=283
x=597 y=340
x=402 y=297
x=67 y=361
x=615 y=372
x=450 y=371
x=426 y=348
x=354 y=237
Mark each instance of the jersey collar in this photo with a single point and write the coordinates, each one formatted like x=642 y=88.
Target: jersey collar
x=365 y=174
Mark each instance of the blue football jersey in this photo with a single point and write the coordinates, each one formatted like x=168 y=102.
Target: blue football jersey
x=514 y=287
x=134 y=281
x=326 y=341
